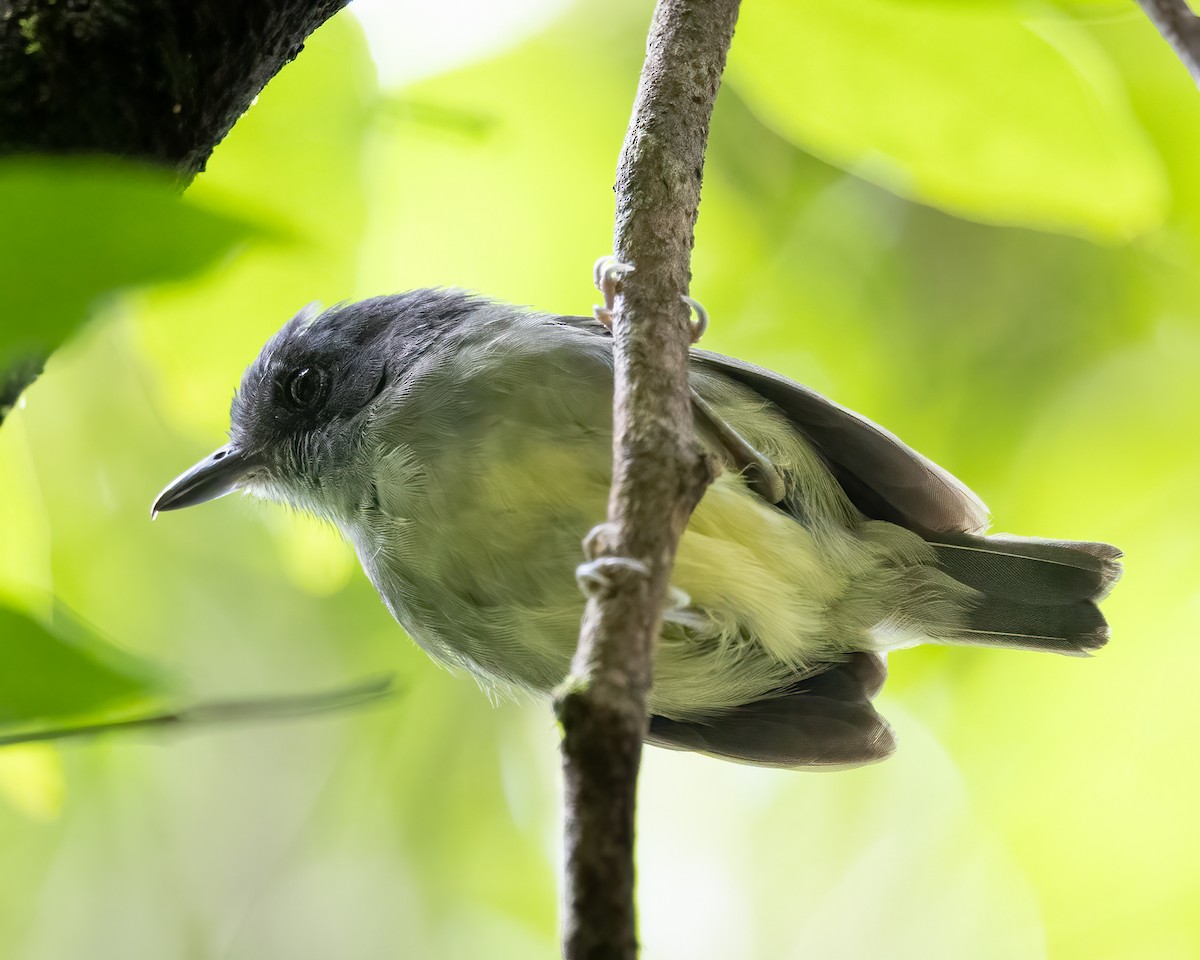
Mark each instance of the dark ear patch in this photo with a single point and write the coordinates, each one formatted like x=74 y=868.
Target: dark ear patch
x=380 y=383
x=824 y=721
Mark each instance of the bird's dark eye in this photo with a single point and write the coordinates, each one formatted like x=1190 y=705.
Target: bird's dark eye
x=306 y=387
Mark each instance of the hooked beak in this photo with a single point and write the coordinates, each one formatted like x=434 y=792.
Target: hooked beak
x=219 y=473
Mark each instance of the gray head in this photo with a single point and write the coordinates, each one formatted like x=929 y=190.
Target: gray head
x=304 y=401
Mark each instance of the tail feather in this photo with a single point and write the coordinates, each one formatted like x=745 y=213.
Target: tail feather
x=825 y=720
x=1034 y=594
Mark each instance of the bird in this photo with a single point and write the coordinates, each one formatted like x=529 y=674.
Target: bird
x=463 y=447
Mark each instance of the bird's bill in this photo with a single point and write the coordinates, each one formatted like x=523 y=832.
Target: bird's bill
x=219 y=473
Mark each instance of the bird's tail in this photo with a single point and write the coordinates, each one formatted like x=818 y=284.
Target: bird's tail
x=1033 y=594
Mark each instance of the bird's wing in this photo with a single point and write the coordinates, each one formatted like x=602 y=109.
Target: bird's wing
x=824 y=721
x=882 y=476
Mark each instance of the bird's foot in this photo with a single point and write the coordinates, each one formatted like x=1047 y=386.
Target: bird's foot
x=678 y=609
x=676 y=599
x=600 y=573
x=700 y=324
x=593 y=542
x=599 y=577
x=607 y=274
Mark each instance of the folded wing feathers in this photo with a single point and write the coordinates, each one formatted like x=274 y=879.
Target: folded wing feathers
x=885 y=478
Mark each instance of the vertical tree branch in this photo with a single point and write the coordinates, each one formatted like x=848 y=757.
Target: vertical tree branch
x=659 y=473
x=1180 y=28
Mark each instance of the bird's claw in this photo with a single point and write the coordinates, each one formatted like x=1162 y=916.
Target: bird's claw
x=700 y=324
x=607 y=274
x=600 y=573
x=597 y=577
x=593 y=542
x=677 y=599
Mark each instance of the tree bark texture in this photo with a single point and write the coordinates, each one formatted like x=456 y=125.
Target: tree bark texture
x=659 y=472
x=1180 y=28
x=158 y=80
x=155 y=80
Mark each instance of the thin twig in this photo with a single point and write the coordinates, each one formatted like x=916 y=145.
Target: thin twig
x=1180 y=28
x=225 y=711
x=659 y=473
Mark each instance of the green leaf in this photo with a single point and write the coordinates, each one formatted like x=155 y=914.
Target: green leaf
x=75 y=229
x=52 y=677
x=971 y=108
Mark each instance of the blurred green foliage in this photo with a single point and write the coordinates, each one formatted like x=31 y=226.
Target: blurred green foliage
x=78 y=229
x=979 y=227
x=56 y=677
x=991 y=116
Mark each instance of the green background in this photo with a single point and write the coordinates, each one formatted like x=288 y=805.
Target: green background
x=977 y=225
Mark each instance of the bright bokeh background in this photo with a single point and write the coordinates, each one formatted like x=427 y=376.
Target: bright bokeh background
x=979 y=225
